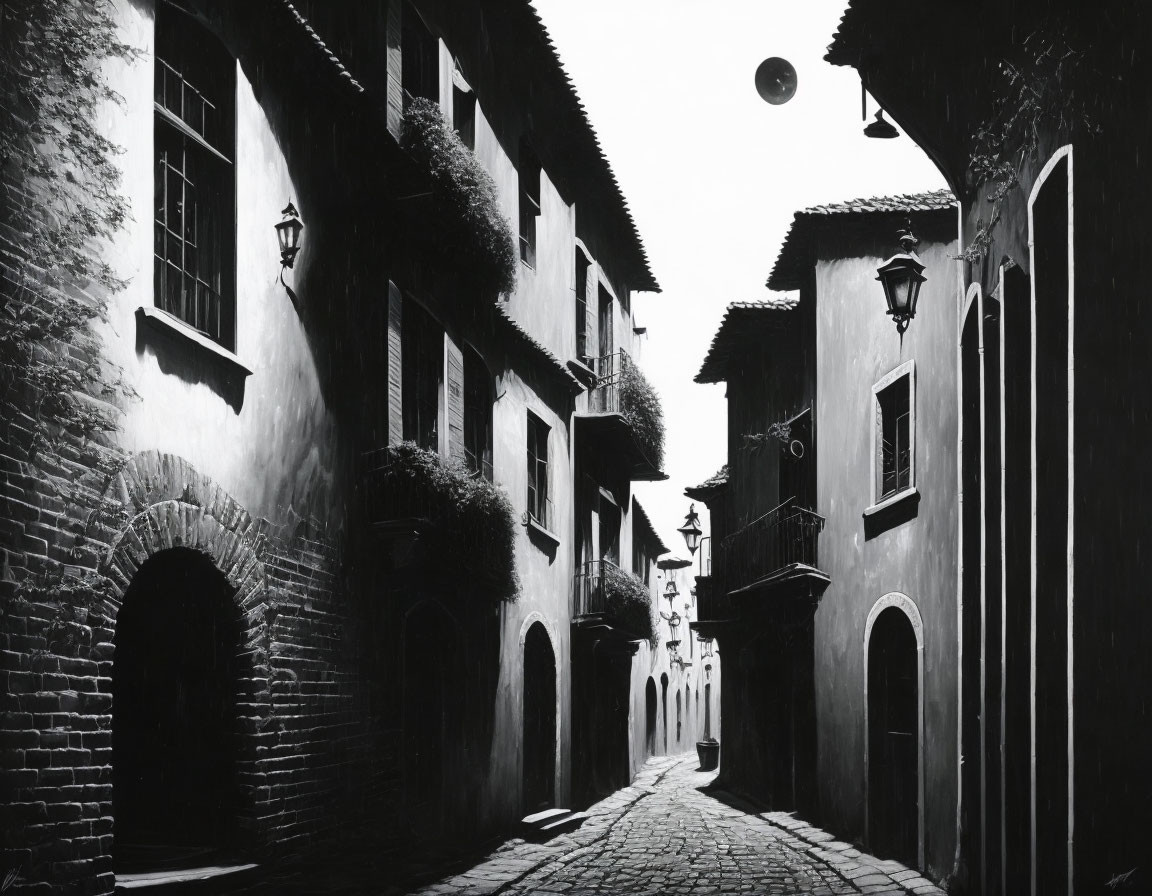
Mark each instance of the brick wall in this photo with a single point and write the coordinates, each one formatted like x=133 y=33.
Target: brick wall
x=303 y=728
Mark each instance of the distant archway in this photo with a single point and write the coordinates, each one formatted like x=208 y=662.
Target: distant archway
x=175 y=736
x=664 y=707
x=651 y=710
x=539 y=781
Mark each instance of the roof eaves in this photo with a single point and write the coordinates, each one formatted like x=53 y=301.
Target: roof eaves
x=646 y=524
x=791 y=260
x=776 y=309
x=644 y=280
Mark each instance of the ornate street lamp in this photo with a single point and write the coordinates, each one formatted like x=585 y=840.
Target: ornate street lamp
x=288 y=232
x=901 y=276
x=671 y=592
x=691 y=529
x=705 y=648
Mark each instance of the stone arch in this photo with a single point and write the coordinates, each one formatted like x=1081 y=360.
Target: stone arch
x=907 y=606
x=162 y=502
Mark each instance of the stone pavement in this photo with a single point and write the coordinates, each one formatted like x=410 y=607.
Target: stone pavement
x=663 y=835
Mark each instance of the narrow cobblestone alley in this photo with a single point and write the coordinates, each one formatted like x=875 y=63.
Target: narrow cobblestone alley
x=665 y=834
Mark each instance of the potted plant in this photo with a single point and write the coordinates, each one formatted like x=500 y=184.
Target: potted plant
x=708 y=750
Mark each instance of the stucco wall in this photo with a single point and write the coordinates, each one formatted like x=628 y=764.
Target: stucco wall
x=857 y=345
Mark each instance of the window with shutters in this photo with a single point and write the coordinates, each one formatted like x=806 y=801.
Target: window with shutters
x=528 y=173
x=538 y=501
x=583 y=264
x=894 y=454
x=419 y=58
x=194 y=221
x=478 y=393
x=422 y=376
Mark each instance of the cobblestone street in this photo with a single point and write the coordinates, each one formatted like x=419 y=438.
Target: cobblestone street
x=664 y=835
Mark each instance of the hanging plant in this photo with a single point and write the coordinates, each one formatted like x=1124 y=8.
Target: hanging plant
x=640 y=405
x=776 y=432
x=629 y=601
x=465 y=202
x=472 y=525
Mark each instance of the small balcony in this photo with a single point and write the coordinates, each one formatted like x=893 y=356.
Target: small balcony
x=624 y=417
x=780 y=548
x=435 y=516
x=607 y=598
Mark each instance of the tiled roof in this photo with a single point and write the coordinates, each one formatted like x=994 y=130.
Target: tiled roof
x=644 y=523
x=583 y=151
x=330 y=58
x=706 y=489
x=743 y=321
x=594 y=158
x=793 y=258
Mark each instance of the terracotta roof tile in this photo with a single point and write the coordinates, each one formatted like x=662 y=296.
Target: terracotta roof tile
x=743 y=320
x=793 y=259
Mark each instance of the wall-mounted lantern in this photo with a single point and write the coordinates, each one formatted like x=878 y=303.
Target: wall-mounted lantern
x=671 y=592
x=691 y=529
x=901 y=276
x=705 y=647
x=288 y=232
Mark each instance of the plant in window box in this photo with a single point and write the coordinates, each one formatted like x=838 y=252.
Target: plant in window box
x=471 y=231
x=472 y=524
x=628 y=600
x=640 y=405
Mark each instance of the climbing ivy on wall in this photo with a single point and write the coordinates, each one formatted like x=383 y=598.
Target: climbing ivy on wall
x=59 y=206
x=1047 y=86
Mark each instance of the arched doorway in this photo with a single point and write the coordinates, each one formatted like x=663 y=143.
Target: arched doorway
x=174 y=724
x=893 y=737
x=651 y=710
x=431 y=716
x=688 y=712
x=539 y=720
x=664 y=707
x=679 y=719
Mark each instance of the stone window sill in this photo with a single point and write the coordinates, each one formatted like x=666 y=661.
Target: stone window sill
x=173 y=326
x=534 y=526
x=908 y=495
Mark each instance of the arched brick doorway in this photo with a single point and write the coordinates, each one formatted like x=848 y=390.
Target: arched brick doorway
x=539 y=720
x=175 y=737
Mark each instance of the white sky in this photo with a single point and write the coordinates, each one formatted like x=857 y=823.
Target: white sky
x=713 y=175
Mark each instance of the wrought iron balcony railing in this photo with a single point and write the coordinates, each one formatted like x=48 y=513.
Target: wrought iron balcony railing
x=786 y=535
x=588 y=593
x=606 y=397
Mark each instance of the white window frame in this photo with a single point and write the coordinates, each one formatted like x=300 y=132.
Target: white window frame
x=907 y=369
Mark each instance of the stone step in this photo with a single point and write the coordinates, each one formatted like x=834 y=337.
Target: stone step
x=563 y=826
x=537 y=820
x=183 y=880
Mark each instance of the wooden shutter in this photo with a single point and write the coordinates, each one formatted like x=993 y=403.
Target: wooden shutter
x=395 y=365
x=455 y=400
x=395 y=90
